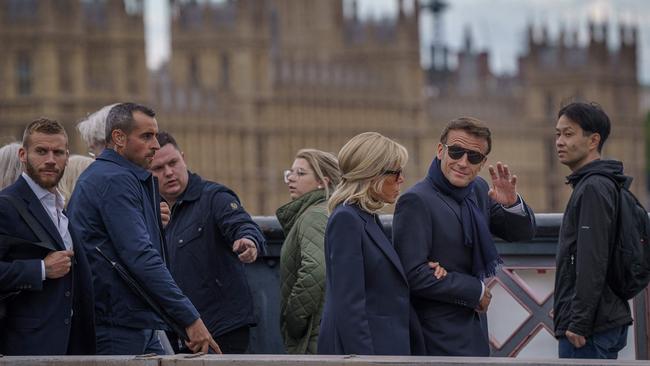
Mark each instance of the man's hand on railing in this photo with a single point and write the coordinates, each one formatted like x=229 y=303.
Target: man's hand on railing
x=200 y=338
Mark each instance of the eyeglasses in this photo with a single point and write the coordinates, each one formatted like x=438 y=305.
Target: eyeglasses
x=457 y=152
x=289 y=172
x=397 y=173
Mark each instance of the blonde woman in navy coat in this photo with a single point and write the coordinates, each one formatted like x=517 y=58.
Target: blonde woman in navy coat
x=367 y=309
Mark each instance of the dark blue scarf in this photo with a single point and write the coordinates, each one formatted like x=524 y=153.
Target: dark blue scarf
x=476 y=233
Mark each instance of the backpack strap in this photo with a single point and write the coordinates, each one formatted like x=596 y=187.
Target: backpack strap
x=29 y=218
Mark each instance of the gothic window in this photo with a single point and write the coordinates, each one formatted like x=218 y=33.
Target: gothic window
x=2 y=77
x=549 y=105
x=95 y=13
x=98 y=70
x=22 y=10
x=225 y=71
x=24 y=73
x=132 y=74
x=194 y=78
x=64 y=10
x=65 y=74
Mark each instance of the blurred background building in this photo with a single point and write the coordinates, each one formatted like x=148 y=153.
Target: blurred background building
x=65 y=58
x=250 y=82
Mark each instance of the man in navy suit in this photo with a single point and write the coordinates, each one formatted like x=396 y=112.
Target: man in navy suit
x=53 y=312
x=449 y=217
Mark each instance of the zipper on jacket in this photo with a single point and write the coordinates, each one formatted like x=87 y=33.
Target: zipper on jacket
x=573 y=259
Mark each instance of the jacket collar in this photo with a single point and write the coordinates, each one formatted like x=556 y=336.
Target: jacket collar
x=288 y=213
x=35 y=207
x=193 y=189
x=111 y=155
x=375 y=231
x=611 y=168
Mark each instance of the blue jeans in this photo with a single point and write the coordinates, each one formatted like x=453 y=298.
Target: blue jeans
x=603 y=345
x=117 y=340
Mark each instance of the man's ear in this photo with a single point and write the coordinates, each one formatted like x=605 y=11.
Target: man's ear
x=119 y=138
x=594 y=141
x=22 y=155
x=441 y=150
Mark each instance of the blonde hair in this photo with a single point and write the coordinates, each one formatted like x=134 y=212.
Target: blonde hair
x=362 y=161
x=324 y=165
x=76 y=165
x=10 y=166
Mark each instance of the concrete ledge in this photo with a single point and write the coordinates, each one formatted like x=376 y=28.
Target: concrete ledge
x=289 y=360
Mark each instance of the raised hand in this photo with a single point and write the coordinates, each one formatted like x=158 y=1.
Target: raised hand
x=504 y=186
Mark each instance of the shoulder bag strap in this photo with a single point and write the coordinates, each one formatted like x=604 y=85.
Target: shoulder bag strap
x=29 y=218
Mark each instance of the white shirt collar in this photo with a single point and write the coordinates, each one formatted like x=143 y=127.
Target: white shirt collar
x=41 y=192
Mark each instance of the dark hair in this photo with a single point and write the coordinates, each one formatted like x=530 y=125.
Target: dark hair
x=46 y=126
x=165 y=138
x=590 y=117
x=121 y=118
x=472 y=126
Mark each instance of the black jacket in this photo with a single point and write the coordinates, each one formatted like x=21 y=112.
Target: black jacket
x=205 y=222
x=584 y=303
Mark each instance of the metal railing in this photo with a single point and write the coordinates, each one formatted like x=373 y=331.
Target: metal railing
x=538 y=253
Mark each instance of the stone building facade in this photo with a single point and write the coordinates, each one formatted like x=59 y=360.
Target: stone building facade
x=64 y=59
x=250 y=82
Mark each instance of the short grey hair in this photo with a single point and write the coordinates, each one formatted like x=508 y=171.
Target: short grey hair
x=120 y=117
x=93 y=128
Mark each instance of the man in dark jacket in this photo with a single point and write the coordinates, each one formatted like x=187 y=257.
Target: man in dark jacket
x=209 y=237
x=115 y=207
x=449 y=217
x=52 y=314
x=590 y=320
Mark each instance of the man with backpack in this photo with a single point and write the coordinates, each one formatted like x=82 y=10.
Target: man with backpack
x=591 y=320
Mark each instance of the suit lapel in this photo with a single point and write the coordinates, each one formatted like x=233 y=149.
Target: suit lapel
x=379 y=238
x=35 y=207
x=453 y=205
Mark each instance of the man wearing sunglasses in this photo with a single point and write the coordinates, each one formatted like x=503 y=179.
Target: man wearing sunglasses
x=450 y=217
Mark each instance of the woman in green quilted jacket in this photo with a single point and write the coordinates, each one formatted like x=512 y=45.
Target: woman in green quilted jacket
x=310 y=180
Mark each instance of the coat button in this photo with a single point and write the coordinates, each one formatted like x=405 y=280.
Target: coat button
x=200 y=229
x=180 y=241
x=67 y=294
x=67 y=321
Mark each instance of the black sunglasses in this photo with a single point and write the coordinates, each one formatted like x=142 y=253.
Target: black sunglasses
x=397 y=173
x=457 y=152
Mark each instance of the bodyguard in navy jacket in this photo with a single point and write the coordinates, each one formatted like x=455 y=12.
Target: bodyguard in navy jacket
x=450 y=217
x=53 y=313
x=207 y=224
x=115 y=206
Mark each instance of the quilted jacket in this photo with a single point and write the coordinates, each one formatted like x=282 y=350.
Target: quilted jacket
x=302 y=271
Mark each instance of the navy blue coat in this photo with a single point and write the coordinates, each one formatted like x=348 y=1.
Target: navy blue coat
x=367 y=306
x=39 y=320
x=205 y=222
x=116 y=206
x=427 y=227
